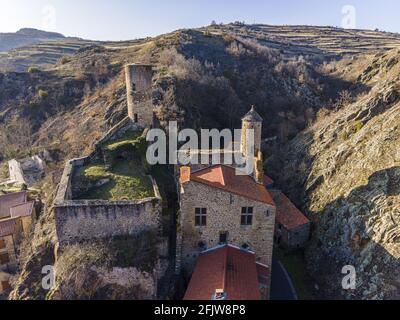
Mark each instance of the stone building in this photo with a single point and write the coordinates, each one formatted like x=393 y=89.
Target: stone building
x=220 y=207
x=292 y=229
x=16 y=217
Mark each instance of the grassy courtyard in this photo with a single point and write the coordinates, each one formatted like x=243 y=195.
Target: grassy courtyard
x=125 y=181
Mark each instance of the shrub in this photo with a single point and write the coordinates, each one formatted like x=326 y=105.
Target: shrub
x=43 y=94
x=65 y=60
x=33 y=69
x=358 y=126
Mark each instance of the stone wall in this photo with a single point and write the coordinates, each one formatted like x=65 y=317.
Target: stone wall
x=10 y=250
x=15 y=171
x=223 y=215
x=295 y=238
x=85 y=220
x=88 y=219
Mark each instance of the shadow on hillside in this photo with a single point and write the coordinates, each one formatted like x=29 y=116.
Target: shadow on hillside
x=359 y=218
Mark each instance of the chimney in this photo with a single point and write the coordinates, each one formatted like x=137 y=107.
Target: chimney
x=258 y=168
x=185 y=173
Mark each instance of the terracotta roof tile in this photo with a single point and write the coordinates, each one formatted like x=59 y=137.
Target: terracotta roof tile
x=286 y=212
x=225 y=178
x=228 y=268
x=10 y=200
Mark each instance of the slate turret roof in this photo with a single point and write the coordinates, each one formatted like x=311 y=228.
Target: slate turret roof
x=252 y=116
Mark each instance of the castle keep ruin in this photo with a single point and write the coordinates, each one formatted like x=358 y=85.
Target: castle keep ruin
x=109 y=196
x=78 y=218
x=139 y=93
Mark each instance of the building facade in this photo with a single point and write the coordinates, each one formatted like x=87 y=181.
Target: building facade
x=17 y=215
x=219 y=207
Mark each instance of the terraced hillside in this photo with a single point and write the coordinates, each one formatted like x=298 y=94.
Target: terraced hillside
x=316 y=40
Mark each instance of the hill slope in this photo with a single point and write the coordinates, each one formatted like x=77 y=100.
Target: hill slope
x=345 y=170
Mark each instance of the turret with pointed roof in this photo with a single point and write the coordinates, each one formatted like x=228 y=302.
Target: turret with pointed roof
x=251 y=121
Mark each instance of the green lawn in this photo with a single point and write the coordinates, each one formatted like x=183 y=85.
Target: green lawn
x=294 y=264
x=129 y=138
x=127 y=182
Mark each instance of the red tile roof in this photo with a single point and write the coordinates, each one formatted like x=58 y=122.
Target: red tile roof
x=10 y=200
x=7 y=226
x=225 y=178
x=227 y=268
x=286 y=212
x=22 y=210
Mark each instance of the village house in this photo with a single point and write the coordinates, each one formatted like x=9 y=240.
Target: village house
x=16 y=217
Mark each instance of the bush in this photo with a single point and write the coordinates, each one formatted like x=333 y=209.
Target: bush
x=43 y=94
x=65 y=60
x=33 y=69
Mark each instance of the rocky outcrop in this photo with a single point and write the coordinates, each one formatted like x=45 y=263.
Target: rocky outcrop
x=345 y=171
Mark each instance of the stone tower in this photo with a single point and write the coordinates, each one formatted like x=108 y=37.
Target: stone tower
x=139 y=93
x=252 y=120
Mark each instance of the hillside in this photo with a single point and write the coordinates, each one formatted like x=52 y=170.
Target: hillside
x=345 y=172
x=328 y=95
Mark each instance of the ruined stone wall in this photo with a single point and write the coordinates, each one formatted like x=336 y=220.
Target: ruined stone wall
x=15 y=171
x=85 y=220
x=88 y=219
x=223 y=215
x=139 y=93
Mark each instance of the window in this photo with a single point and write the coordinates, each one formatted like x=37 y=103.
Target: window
x=200 y=217
x=136 y=118
x=4 y=258
x=2 y=243
x=223 y=238
x=247 y=216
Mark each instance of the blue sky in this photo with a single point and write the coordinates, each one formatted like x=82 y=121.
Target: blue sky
x=123 y=19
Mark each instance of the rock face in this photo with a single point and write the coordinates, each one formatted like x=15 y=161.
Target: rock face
x=345 y=170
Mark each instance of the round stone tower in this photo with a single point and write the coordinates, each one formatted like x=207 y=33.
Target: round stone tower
x=139 y=81
x=252 y=120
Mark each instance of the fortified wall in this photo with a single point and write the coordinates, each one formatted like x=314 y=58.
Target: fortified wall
x=78 y=220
